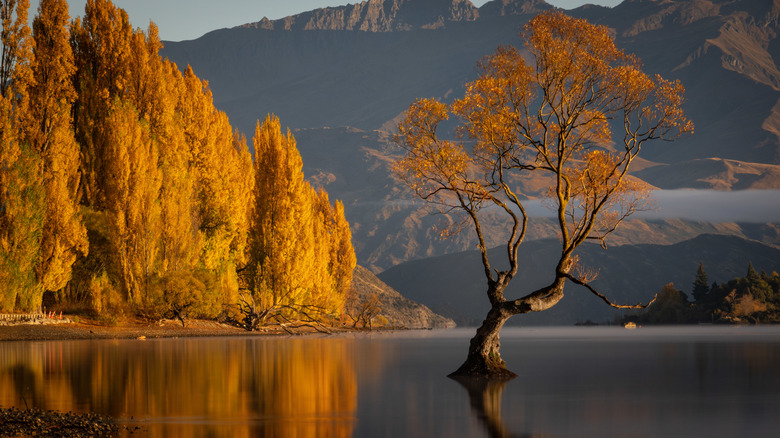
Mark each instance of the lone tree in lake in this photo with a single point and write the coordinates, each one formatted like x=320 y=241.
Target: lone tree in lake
x=551 y=118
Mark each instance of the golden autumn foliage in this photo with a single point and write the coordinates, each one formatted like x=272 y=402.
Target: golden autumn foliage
x=298 y=249
x=123 y=188
x=15 y=40
x=132 y=198
x=22 y=189
x=101 y=45
x=48 y=127
x=22 y=224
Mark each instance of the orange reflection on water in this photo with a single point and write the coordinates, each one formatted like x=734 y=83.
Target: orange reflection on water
x=185 y=387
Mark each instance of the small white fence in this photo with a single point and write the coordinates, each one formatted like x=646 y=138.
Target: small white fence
x=31 y=318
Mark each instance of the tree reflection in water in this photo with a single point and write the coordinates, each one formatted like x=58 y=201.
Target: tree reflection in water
x=485 y=399
x=181 y=387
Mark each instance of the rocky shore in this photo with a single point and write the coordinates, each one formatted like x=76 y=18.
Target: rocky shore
x=37 y=422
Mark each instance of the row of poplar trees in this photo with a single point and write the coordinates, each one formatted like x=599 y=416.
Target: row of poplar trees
x=123 y=189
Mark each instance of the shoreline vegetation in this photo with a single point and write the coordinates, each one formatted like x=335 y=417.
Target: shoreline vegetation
x=80 y=328
x=752 y=299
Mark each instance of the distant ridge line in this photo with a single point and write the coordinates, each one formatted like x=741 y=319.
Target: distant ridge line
x=398 y=15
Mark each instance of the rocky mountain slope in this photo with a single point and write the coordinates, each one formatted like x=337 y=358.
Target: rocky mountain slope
x=341 y=78
x=361 y=65
x=399 y=311
x=377 y=16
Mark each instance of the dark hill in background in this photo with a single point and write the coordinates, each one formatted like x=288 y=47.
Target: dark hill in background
x=454 y=285
x=341 y=78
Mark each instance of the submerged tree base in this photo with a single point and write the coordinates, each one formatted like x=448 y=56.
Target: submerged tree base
x=484 y=357
x=481 y=369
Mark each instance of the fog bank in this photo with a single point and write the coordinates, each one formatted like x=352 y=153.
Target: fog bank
x=753 y=206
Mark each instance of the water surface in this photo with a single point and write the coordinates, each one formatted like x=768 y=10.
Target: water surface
x=572 y=382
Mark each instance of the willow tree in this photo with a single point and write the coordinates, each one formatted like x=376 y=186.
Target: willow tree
x=548 y=114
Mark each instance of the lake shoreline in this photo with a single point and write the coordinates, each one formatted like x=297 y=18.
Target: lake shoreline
x=63 y=331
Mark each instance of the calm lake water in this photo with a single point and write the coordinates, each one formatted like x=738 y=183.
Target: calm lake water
x=573 y=382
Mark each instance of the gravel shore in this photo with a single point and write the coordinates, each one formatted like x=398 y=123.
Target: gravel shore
x=36 y=422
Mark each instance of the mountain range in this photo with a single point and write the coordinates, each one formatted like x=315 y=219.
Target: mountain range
x=362 y=65
x=342 y=77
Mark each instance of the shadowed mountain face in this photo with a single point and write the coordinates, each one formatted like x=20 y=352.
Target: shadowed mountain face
x=398 y=310
x=453 y=286
x=342 y=77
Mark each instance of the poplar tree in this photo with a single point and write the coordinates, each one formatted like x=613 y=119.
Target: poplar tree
x=15 y=42
x=324 y=297
x=155 y=87
x=300 y=255
x=20 y=233
x=132 y=198
x=343 y=256
x=22 y=197
x=96 y=128
x=101 y=46
x=338 y=259
x=241 y=175
x=222 y=167
x=281 y=242
x=48 y=130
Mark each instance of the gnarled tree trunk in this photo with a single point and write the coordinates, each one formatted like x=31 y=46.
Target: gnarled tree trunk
x=484 y=358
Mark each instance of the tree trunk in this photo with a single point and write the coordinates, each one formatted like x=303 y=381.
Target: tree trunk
x=484 y=359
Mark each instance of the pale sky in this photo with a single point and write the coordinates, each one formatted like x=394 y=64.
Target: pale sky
x=184 y=20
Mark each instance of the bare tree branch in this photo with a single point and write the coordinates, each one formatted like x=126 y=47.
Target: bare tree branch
x=576 y=280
